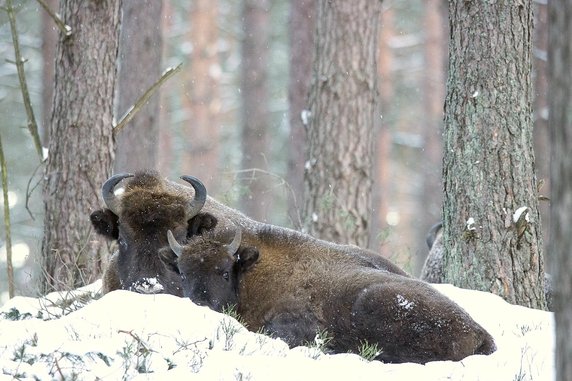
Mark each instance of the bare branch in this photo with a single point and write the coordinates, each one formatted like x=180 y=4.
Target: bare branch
x=32 y=125
x=65 y=29
x=144 y=98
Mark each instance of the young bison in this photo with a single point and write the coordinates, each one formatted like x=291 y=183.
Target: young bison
x=293 y=295
x=210 y=270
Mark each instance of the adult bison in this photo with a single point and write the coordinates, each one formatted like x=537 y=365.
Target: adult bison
x=139 y=221
x=301 y=285
x=149 y=206
x=294 y=294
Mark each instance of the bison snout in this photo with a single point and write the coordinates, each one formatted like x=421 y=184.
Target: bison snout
x=147 y=286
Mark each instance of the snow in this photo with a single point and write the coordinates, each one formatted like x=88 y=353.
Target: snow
x=129 y=336
x=471 y=224
x=517 y=214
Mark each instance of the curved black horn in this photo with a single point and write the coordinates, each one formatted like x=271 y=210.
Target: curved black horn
x=197 y=203
x=109 y=198
x=173 y=244
x=232 y=247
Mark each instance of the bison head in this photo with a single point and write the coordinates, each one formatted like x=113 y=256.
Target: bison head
x=139 y=219
x=210 y=270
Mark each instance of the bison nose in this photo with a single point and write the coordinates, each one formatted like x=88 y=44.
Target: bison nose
x=147 y=286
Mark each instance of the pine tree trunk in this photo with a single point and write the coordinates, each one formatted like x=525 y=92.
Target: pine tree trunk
x=255 y=202
x=301 y=30
x=81 y=142
x=560 y=122
x=139 y=67
x=201 y=97
x=344 y=108
x=489 y=161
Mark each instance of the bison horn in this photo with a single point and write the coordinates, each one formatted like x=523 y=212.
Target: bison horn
x=109 y=198
x=200 y=198
x=173 y=244
x=232 y=247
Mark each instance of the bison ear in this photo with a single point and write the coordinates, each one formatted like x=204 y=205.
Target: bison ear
x=247 y=257
x=106 y=223
x=200 y=224
x=169 y=259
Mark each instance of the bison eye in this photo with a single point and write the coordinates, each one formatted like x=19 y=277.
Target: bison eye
x=225 y=275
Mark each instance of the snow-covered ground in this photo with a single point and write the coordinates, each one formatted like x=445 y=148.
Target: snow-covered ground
x=128 y=336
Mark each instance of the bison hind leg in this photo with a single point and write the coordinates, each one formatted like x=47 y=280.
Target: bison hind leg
x=295 y=328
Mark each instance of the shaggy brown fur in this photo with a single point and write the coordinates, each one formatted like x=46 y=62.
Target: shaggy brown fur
x=146 y=211
x=302 y=285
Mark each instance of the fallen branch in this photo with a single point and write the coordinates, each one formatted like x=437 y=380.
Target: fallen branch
x=144 y=98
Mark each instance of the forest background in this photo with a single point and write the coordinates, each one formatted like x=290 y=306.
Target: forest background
x=200 y=116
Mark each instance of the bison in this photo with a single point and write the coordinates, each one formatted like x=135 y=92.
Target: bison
x=149 y=206
x=139 y=221
x=210 y=269
x=292 y=294
x=301 y=285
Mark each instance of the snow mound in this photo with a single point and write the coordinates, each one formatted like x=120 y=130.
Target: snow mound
x=127 y=336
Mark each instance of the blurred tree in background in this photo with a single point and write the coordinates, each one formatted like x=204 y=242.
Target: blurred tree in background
x=140 y=65
x=560 y=120
x=343 y=108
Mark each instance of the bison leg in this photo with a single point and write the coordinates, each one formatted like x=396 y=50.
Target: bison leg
x=294 y=327
x=411 y=322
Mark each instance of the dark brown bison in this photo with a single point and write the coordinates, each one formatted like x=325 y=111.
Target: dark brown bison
x=210 y=269
x=301 y=285
x=293 y=294
x=140 y=217
x=139 y=221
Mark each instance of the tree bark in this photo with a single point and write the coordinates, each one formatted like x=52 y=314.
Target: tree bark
x=201 y=98
x=255 y=201
x=344 y=107
x=140 y=52
x=488 y=160
x=301 y=31
x=81 y=142
x=560 y=122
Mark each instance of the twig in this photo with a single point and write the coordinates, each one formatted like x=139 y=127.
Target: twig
x=144 y=98
x=65 y=29
x=9 y=267
x=32 y=125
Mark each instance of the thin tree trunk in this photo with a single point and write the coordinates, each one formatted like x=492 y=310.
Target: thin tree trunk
x=81 y=142
x=301 y=31
x=343 y=105
x=382 y=183
x=49 y=41
x=560 y=122
x=489 y=161
x=201 y=98
x=255 y=118
x=431 y=200
x=139 y=67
